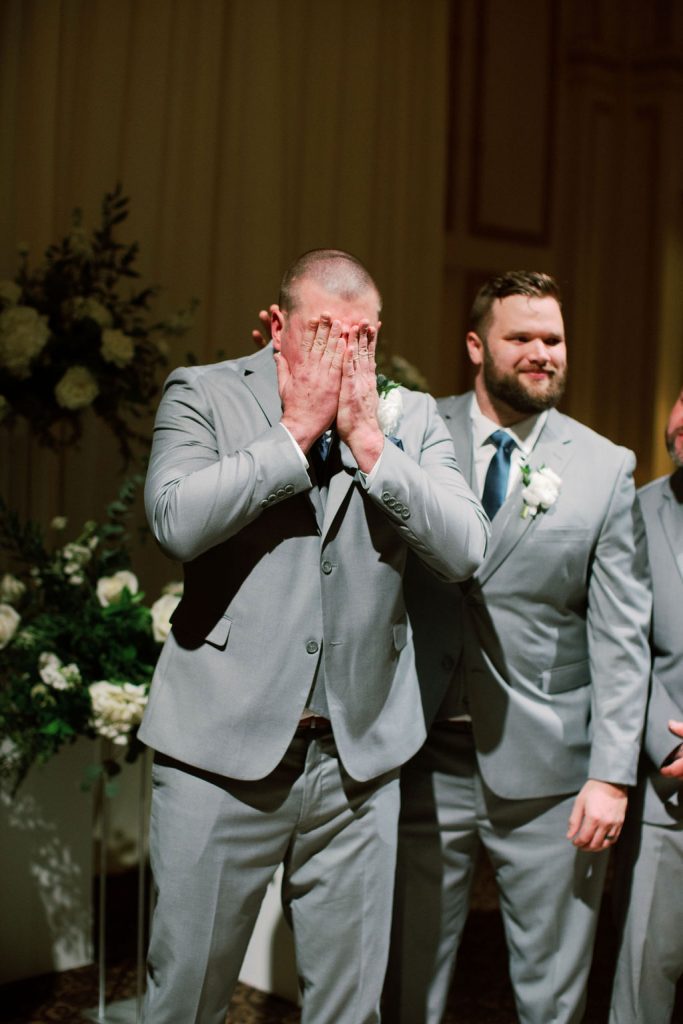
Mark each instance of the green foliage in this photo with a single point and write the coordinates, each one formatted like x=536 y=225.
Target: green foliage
x=60 y=635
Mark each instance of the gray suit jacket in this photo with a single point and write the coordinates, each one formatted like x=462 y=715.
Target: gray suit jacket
x=273 y=577
x=550 y=634
x=662 y=506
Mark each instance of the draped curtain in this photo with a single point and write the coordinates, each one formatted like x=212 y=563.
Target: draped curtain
x=245 y=132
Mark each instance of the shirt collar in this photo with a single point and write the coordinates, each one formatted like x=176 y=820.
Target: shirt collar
x=525 y=432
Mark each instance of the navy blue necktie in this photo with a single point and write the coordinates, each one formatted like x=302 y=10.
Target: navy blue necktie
x=319 y=455
x=496 y=483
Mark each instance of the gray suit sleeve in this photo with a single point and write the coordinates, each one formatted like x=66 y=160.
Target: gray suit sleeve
x=194 y=499
x=427 y=499
x=619 y=607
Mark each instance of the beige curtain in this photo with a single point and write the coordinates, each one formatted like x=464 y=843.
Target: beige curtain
x=245 y=131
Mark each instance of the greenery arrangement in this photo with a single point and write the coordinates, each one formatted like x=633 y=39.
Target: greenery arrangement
x=77 y=643
x=71 y=340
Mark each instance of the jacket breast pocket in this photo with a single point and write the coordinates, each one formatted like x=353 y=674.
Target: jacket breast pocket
x=566 y=677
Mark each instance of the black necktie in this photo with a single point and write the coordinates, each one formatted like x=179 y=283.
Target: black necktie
x=496 y=483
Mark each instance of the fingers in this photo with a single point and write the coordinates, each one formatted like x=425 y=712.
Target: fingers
x=676 y=727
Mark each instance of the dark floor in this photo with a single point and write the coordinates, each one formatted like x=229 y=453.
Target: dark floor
x=481 y=991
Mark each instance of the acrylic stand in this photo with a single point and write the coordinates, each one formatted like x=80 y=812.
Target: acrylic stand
x=123 y=1011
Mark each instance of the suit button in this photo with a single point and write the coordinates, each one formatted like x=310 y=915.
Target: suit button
x=326 y=567
x=312 y=647
x=263 y=503
x=386 y=495
x=289 y=489
x=405 y=514
x=272 y=497
x=398 y=506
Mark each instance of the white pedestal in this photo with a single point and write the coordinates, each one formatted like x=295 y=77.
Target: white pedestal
x=269 y=963
x=46 y=869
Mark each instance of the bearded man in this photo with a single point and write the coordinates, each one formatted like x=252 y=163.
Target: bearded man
x=534 y=673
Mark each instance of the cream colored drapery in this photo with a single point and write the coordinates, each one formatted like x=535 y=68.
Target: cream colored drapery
x=245 y=131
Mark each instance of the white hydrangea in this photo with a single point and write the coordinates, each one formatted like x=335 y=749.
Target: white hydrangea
x=117 y=348
x=9 y=622
x=390 y=411
x=76 y=389
x=117 y=709
x=11 y=589
x=162 y=609
x=110 y=588
x=55 y=674
x=75 y=557
x=82 y=307
x=23 y=336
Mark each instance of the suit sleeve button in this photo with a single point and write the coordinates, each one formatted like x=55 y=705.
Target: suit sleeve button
x=405 y=514
x=289 y=489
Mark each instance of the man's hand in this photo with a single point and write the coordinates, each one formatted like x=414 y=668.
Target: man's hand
x=309 y=387
x=673 y=766
x=357 y=414
x=597 y=816
x=262 y=337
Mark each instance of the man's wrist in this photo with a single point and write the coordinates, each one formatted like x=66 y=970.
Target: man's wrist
x=366 y=449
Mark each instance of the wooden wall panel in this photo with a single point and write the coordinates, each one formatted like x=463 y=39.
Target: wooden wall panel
x=512 y=141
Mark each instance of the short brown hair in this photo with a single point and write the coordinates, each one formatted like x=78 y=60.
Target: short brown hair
x=338 y=272
x=513 y=282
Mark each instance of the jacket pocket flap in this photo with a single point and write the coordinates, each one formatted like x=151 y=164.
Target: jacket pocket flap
x=566 y=677
x=218 y=636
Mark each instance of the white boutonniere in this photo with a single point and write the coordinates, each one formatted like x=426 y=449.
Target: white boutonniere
x=389 y=406
x=541 y=488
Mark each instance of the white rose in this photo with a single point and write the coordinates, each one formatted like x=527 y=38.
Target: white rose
x=82 y=307
x=9 y=621
x=23 y=336
x=390 y=411
x=117 y=709
x=542 y=489
x=174 y=587
x=76 y=389
x=110 y=588
x=10 y=292
x=11 y=589
x=117 y=348
x=59 y=523
x=162 y=609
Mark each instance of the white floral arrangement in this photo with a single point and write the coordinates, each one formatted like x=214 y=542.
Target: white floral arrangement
x=540 y=491
x=75 y=336
x=79 y=644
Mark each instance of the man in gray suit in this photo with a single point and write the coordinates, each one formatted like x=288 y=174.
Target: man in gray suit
x=285 y=698
x=537 y=739
x=648 y=884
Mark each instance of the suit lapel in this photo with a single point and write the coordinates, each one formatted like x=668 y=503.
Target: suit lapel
x=552 y=449
x=260 y=376
x=456 y=414
x=670 y=514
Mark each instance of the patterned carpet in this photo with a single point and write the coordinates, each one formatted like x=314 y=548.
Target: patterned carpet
x=481 y=991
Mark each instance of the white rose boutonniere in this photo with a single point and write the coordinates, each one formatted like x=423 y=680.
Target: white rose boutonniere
x=541 y=488
x=390 y=405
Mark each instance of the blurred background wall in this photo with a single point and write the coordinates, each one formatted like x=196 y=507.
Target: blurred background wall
x=440 y=140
